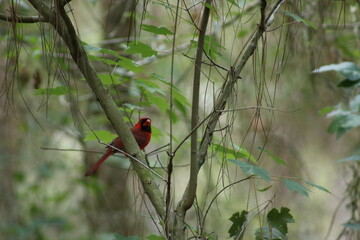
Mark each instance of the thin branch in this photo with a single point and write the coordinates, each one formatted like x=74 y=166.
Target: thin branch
x=22 y=19
x=188 y=197
x=259 y=107
x=222 y=190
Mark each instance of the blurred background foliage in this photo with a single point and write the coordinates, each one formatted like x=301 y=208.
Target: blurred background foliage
x=49 y=116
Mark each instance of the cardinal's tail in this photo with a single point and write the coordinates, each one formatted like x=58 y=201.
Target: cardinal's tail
x=93 y=169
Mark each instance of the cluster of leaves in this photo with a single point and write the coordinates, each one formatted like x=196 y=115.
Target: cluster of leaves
x=276 y=228
x=276 y=220
x=345 y=117
x=252 y=169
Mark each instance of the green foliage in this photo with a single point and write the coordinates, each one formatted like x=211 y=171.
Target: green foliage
x=236 y=152
x=300 y=19
x=273 y=156
x=154 y=237
x=57 y=91
x=345 y=117
x=239 y=221
x=353 y=225
x=265 y=233
x=156 y=30
x=317 y=186
x=353 y=158
x=212 y=48
x=295 y=186
x=277 y=221
x=348 y=70
x=250 y=169
x=142 y=48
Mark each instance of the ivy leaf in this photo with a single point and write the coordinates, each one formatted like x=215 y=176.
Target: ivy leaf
x=250 y=169
x=156 y=30
x=239 y=221
x=279 y=220
x=295 y=187
x=57 y=91
x=273 y=156
x=142 y=48
x=104 y=136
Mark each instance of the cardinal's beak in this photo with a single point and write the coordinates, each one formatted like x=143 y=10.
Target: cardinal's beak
x=147 y=122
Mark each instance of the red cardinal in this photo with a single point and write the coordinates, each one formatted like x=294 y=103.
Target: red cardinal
x=142 y=134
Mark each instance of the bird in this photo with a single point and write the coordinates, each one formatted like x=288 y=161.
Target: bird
x=142 y=133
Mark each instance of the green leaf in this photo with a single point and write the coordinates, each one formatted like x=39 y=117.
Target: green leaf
x=295 y=187
x=237 y=152
x=156 y=132
x=279 y=220
x=353 y=225
x=264 y=233
x=57 y=91
x=104 y=136
x=154 y=237
x=102 y=59
x=129 y=64
x=250 y=169
x=336 y=126
x=348 y=83
x=300 y=19
x=160 y=102
x=91 y=48
x=233 y=2
x=317 y=186
x=352 y=121
x=273 y=156
x=264 y=189
x=132 y=106
x=211 y=47
x=156 y=30
x=142 y=48
x=108 y=79
x=352 y=158
x=348 y=69
x=326 y=110
x=148 y=85
x=238 y=223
